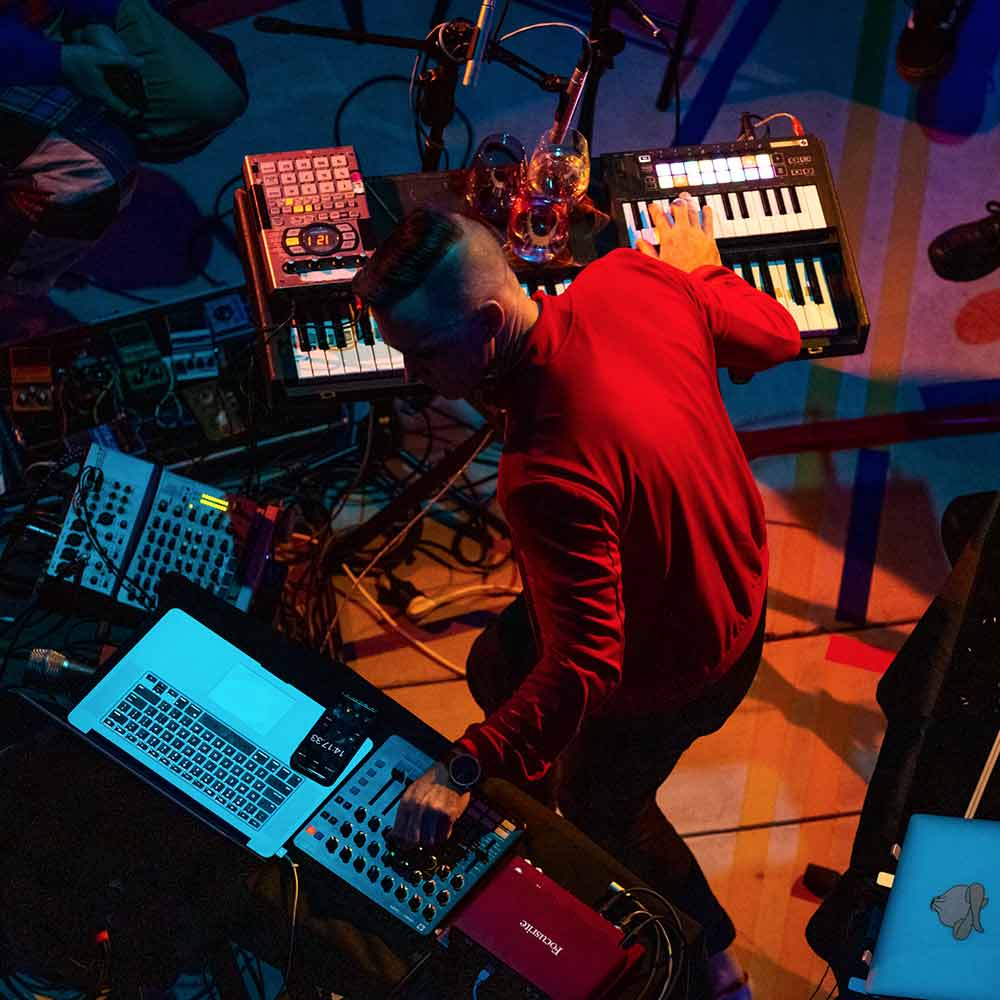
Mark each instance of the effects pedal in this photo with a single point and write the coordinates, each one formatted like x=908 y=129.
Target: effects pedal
x=141 y=366
x=215 y=409
x=193 y=355
x=30 y=379
x=227 y=314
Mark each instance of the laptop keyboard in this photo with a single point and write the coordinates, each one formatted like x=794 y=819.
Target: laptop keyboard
x=202 y=751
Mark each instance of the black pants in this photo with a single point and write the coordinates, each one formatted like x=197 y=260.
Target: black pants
x=606 y=780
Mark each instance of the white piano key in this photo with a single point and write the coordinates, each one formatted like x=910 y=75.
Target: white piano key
x=648 y=231
x=633 y=229
x=737 y=269
x=383 y=360
x=524 y=285
x=349 y=354
x=561 y=286
x=789 y=220
x=783 y=293
x=720 y=228
x=334 y=364
x=801 y=215
x=365 y=353
x=828 y=312
x=767 y=218
x=759 y=221
x=813 y=316
x=300 y=358
x=814 y=205
x=664 y=204
x=758 y=279
x=738 y=224
x=780 y=222
x=798 y=311
x=317 y=356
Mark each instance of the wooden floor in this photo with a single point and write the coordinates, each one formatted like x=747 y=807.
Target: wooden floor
x=856 y=555
x=779 y=787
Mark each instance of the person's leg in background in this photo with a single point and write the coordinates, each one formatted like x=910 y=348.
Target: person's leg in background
x=66 y=171
x=194 y=83
x=608 y=783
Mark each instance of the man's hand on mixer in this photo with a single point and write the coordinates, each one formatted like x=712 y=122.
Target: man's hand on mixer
x=685 y=244
x=429 y=809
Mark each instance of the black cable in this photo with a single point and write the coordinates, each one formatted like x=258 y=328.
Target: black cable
x=383 y=78
x=819 y=985
x=500 y=21
x=136 y=590
x=215 y=219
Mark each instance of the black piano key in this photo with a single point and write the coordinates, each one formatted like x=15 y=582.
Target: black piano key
x=765 y=201
x=365 y=326
x=702 y=200
x=726 y=205
x=748 y=275
x=796 y=207
x=794 y=285
x=812 y=279
x=338 y=333
x=741 y=201
x=321 y=340
x=300 y=336
x=782 y=210
x=765 y=273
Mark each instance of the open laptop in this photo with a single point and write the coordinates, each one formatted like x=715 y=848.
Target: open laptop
x=940 y=936
x=189 y=706
x=270 y=767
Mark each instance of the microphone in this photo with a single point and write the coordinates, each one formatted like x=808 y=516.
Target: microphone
x=638 y=15
x=571 y=98
x=52 y=665
x=479 y=42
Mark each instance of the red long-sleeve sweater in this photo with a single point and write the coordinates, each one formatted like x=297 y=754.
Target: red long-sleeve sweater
x=638 y=525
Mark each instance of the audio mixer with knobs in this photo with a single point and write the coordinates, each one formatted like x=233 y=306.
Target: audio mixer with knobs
x=131 y=521
x=351 y=836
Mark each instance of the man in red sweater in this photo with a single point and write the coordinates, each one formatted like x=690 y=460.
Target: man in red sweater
x=637 y=523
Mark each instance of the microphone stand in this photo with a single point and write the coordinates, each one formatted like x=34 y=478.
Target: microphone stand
x=440 y=83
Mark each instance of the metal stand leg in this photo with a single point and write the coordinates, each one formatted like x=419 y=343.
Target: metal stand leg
x=674 y=65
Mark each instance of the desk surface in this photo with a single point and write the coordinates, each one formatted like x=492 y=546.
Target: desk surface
x=340 y=940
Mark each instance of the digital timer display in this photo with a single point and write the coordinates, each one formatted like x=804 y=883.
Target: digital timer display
x=320 y=239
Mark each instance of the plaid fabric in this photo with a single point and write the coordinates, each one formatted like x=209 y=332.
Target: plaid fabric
x=45 y=106
x=67 y=166
x=60 y=189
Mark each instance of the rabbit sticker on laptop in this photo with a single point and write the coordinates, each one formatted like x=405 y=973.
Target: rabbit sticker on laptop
x=959 y=908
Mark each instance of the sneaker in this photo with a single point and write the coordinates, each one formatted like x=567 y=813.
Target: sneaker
x=968 y=251
x=927 y=43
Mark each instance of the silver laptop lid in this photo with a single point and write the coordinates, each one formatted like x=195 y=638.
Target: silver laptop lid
x=187 y=705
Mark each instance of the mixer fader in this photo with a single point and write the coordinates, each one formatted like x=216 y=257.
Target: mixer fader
x=419 y=886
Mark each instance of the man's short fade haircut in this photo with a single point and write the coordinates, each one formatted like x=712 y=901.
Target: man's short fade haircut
x=410 y=253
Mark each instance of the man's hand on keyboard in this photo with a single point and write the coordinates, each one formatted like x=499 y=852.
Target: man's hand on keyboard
x=429 y=808
x=685 y=244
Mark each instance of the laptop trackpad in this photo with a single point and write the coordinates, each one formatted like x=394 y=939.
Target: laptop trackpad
x=251 y=699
